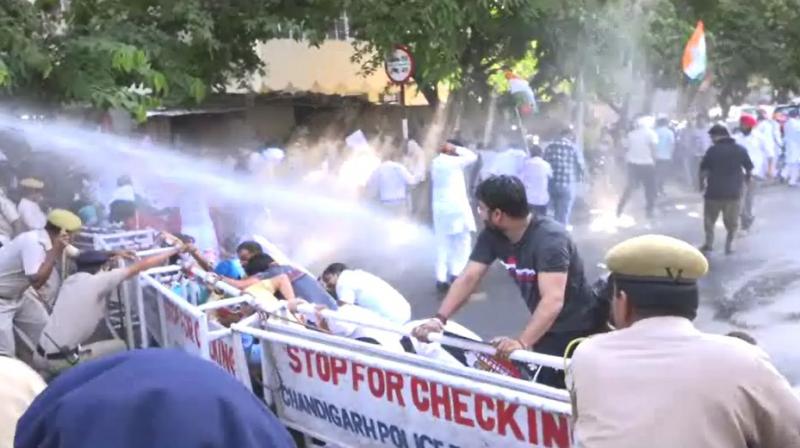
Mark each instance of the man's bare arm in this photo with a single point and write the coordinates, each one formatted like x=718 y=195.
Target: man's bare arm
x=553 y=287
x=149 y=263
x=198 y=257
x=283 y=284
x=462 y=288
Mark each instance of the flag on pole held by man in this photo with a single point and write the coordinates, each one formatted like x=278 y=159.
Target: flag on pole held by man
x=524 y=98
x=695 y=61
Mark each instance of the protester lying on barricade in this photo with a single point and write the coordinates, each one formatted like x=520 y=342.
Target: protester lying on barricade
x=263 y=269
x=81 y=306
x=455 y=356
x=386 y=339
x=149 y=398
x=357 y=287
x=448 y=355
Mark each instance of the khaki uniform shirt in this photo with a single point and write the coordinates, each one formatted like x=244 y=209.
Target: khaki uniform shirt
x=31 y=214
x=663 y=384
x=8 y=215
x=21 y=259
x=80 y=306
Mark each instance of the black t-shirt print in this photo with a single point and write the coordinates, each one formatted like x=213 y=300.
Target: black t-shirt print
x=545 y=247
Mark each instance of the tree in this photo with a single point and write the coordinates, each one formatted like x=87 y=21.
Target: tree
x=139 y=54
x=457 y=42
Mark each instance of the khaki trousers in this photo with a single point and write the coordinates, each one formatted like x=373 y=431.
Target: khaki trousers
x=730 y=217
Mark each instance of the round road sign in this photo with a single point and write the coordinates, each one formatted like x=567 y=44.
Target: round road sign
x=400 y=65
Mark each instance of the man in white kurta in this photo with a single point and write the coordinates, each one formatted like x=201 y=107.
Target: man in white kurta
x=453 y=221
x=659 y=382
x=391 y=184
x=763 y=158
x=792 y=139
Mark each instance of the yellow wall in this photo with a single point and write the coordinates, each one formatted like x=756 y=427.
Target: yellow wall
x=295 y=67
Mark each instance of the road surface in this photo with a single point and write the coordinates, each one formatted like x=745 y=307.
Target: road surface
x=751 y=290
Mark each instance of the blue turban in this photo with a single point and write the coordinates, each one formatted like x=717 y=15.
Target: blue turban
x=154 y=398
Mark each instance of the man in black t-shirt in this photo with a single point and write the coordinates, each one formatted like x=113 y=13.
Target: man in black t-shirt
x=724 y=174
x=540 y=256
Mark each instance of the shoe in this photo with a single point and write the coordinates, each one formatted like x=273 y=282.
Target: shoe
x=442 y=287
x=705 y=248
x=729 y=250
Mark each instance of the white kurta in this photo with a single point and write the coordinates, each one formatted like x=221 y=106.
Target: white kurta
x=453 y=220
x=452 y=212
x=771 y=135
x=196 y=222
x=792 y=138
x=757 y=150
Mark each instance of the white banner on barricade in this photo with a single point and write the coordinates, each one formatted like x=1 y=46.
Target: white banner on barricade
x=227 y=350
x=362 y=398
x=175 y=323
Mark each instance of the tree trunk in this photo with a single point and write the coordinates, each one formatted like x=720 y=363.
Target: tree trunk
x=431 y=94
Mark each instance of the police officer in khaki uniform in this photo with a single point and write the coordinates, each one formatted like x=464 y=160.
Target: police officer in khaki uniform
x=658 y=382
x=28 y=262
x=79 y=308
x=29 y=208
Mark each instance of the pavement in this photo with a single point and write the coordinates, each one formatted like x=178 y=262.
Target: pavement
x=751 y=290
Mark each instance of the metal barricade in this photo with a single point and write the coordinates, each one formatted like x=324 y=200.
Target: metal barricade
x=352 y=393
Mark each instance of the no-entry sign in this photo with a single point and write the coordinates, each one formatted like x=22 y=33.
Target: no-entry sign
x=400 y=65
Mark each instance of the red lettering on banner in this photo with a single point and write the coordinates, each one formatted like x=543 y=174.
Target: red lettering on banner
x=294 y=361
x=323 y=367
x=338 y=367
x=441 y=400
x=188 y=324
x=309 y=368
x=505 y=418
x=376 y=382
x=419 y=387
x=481 y=402
x=358 y=375
x=394 y=387
x=553 y=431
x=197 y=333
x=460 y=408
x=222 y=354
x=533 y=433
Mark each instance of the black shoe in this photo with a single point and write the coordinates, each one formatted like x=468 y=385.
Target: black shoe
x=705 y=248
x=729 y=250
x=442 y=287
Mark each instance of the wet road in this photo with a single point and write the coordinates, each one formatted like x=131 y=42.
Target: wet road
x=754 y=290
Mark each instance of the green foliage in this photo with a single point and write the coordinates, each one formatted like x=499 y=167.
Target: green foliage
x=140 y=54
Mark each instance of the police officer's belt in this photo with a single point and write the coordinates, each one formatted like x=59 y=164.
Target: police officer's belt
x=63 y=354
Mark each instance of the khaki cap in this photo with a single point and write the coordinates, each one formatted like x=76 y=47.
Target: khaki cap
x=64 y=219
x=30 y=182
x=657 y=258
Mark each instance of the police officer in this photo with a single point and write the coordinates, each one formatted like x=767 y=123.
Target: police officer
x=29 y=208
x=79 y=308
x=28 y=261
x=659 y=382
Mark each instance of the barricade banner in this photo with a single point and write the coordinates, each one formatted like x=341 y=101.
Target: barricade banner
x=360 y=399
x=228 y=352
x=187 y=329
x=182 y=325
x=153 y=312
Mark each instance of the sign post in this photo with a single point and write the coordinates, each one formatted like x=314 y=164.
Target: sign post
x=400 y=68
